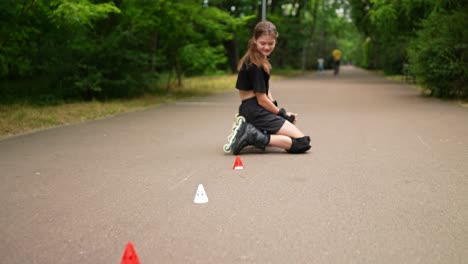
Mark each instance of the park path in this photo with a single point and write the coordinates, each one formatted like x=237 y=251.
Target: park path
x=385 y=182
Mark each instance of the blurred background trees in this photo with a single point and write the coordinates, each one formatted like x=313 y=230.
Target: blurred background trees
x=429 y=37
x=99 y=49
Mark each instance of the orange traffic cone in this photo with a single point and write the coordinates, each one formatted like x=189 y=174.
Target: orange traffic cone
x=130 y=256
x=238 y=164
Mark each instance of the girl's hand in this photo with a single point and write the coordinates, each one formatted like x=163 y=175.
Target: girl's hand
x=295 y=116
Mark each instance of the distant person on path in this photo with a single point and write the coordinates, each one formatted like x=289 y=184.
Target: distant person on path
x=320 y=64
x=336 y=59
x=260 y=121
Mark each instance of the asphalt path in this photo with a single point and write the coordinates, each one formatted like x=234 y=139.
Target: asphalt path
x=386 y=181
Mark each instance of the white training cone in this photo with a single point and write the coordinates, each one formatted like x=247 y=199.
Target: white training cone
x=200 y=196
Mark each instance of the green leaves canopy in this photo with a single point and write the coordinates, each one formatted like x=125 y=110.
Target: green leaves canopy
x=100 y=49
x=428 y=34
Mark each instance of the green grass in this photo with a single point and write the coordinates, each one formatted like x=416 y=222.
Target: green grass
x=19 y=118
x=22 y=118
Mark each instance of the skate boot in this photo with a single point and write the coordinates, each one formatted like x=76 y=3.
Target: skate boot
x=235 y=129
x=248 y=135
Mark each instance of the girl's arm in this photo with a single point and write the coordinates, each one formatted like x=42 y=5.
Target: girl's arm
x=271 y=96
x=266 y=102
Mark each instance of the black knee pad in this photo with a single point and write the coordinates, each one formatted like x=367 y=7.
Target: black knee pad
x=300 y=145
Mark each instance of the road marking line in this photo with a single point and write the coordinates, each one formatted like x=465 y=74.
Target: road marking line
x=422 y=142
x=181 y=181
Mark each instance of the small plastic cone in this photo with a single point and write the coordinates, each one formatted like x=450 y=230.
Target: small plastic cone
x=200 y=196
x=238 y=164
x=130 y=256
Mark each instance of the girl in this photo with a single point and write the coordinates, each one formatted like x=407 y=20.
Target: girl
x=260 y=122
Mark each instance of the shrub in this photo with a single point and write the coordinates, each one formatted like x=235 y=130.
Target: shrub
x=438 y=56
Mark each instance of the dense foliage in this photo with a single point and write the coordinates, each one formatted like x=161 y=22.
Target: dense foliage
x=96 y=49
x=103 y=49
x=428 y=35
x=439 y=53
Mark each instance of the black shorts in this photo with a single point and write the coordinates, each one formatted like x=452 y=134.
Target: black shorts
x=265 y=121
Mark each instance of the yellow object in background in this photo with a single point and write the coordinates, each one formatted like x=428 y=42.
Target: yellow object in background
x=336 y=54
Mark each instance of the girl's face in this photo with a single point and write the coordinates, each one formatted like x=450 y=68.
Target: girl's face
x=266 y=44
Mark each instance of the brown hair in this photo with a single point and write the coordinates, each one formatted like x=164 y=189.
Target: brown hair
x=254 y=56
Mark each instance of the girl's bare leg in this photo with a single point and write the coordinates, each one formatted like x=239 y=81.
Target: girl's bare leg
x=280 y=141
x=282 y=138
x=290 y=130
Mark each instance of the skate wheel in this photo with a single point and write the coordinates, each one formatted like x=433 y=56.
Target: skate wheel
x=227 y=148
x=235 y=129
x=232 y=138
x=240 y=118
x=239 y=121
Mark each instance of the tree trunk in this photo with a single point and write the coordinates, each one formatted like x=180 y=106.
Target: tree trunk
x=179 y=73
x=273 y=6
x=154 y=49
x=314 y=17
x=232 y=54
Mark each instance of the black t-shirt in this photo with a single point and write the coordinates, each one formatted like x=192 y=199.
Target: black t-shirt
x=254 y=78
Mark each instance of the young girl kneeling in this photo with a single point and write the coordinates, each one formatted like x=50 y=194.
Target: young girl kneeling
x=261 y=122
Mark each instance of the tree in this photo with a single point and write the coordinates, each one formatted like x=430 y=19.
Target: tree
x=388 y=27
x=439 y=54
x=428 y=34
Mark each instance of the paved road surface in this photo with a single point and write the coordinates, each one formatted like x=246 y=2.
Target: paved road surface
x=386 y=181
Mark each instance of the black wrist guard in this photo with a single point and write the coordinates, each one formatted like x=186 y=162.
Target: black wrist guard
x=284 y=115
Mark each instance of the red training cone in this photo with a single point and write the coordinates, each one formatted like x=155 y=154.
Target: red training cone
x=130 y=256
x=238 y=164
